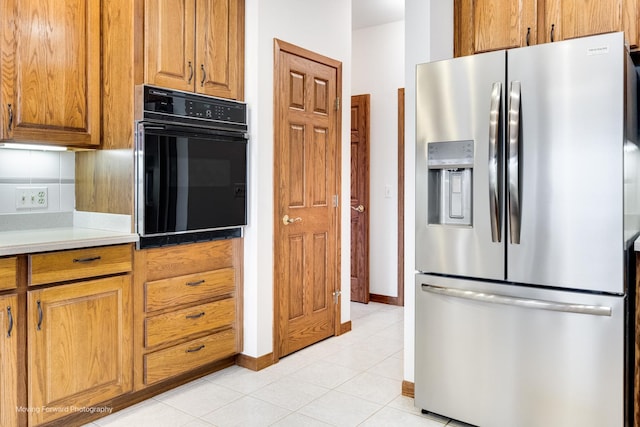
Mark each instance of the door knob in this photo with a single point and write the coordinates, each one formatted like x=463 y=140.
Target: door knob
x=286 y=220
x=358 y=208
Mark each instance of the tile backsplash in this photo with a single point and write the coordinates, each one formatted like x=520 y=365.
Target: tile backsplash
x=23 y=169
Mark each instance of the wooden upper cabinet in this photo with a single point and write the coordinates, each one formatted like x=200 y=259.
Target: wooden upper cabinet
x=567 y=19
x=503 y=25
x=196 y=46
x=50 y=71
x=486 y=25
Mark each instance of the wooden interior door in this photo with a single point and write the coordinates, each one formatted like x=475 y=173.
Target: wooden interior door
x=360 y=198
x=306 y=228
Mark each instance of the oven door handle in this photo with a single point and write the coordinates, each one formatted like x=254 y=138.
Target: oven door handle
x=594 y=310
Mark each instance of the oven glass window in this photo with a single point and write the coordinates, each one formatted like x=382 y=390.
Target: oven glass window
x=193 y=182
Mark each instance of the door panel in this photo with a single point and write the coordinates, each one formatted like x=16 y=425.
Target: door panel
x=360 y=198
x=169 y=43
x=571 y=160
x=305 y=216
x=453 y=104
x=502 y=365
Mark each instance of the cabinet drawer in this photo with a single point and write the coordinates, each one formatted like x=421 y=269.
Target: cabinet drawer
x=78 y=264
x=8 y=273
x=180 y=260
x=182 y=323
x=188 y=289
x=184 y=357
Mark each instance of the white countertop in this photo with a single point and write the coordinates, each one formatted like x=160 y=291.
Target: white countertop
x=86 y=230
x=29 y=241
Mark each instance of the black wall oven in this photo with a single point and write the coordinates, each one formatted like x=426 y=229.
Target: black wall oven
x=191 y=167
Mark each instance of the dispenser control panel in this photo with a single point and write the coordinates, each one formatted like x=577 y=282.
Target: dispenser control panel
x=450 y=154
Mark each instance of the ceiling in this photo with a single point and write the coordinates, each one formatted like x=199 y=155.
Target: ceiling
x=367 y=13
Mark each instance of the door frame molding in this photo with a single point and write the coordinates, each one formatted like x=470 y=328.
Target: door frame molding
x=282 y=46
x=398 y=300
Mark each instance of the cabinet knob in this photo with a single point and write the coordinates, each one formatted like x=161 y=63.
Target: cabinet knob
x=528 y=35
x=553 y=30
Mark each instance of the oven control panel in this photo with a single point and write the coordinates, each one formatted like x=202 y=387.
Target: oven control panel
x=176 y=106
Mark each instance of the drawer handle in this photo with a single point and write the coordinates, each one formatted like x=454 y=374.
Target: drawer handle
x=39 y=327
x=199 y=282
x=85 y=260
x=195 y=316
x=10 y=316
x=193 y=350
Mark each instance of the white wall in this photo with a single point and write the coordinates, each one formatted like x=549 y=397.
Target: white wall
x=428 y=37
x=325 y=28
x=378 y=69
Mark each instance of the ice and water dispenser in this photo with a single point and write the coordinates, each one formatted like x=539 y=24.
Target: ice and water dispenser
x=450 y=176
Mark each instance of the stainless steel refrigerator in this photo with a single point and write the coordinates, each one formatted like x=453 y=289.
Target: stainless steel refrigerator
x=526 y=212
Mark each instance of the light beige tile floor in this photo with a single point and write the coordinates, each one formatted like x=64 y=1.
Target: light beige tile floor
x=351 y=380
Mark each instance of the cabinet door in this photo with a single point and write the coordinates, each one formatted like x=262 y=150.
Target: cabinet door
x=630 y=18
x=79 y=346
x=50 y=71
x=566 y=19
x=485 y=25
x=169 y=43
x=503 y=24
x=8 y=361
x=219 y=47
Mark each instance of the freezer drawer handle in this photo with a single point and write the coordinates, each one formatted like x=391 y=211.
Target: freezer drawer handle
x=594 y=310
x=494 y=161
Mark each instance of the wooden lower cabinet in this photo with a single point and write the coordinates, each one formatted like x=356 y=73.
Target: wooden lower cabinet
x=187 y=309
x=9 y=409
x=79 y=352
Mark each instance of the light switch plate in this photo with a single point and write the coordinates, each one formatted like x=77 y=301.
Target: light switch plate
x=32 y=197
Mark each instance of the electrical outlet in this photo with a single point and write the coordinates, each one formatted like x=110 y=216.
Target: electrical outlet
x=32 y=197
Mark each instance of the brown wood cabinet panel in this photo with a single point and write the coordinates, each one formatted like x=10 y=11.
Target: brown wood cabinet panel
x=8 y=273
x=630 y=17
x=170 y=43
x=175 y=360
x=188 y=289
x=566 y=19
x=79 y=345
x=503 y=25
x=174 y=282
x=8 y=361
x=195 y=46
x=173 y=326
x=162 y=263
x=78 y=264
x=50 y=71
x=486 y=25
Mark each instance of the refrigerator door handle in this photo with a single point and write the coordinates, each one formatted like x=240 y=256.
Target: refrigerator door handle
x=593 y=310
x=494 y=161
x=513 y=168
